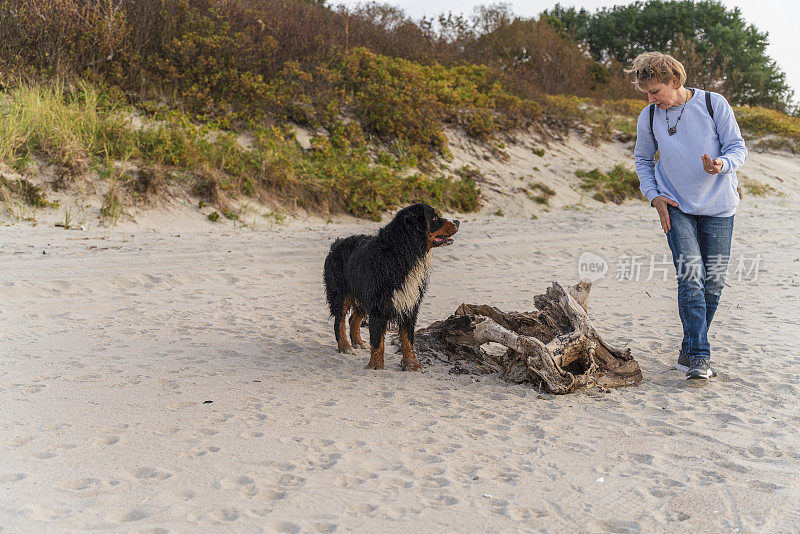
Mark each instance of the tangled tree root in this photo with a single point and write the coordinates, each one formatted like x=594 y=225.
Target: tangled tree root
x=556 y=347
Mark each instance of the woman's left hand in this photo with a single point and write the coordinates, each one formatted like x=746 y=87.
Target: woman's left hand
x=711 y=166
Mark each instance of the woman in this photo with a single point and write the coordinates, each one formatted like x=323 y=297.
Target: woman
x=693 y=188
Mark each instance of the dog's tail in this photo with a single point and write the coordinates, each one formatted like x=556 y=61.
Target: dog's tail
x=336 y=286
x=335 y=281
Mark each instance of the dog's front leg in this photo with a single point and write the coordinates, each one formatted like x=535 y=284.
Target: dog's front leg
x=377 y=334
x=409 y=361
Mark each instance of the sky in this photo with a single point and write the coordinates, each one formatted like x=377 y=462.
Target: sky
x=780 y=18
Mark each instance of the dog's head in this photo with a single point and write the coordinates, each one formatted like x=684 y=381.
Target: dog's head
x=426 y=222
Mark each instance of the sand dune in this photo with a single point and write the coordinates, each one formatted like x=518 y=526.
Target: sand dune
x=114 y=341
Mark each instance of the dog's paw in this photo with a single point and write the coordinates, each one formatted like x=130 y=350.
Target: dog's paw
x=411 y=366
x=374 y=366
x=348 y=350
x=362 y=345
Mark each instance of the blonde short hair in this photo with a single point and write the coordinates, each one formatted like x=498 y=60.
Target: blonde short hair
x=655 y=66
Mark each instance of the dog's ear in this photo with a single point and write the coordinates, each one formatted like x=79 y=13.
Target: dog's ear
x=415 y=218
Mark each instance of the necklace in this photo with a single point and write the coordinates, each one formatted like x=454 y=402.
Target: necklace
x=673 y=129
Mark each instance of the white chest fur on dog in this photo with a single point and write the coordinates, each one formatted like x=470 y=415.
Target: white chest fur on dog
x=408 y=295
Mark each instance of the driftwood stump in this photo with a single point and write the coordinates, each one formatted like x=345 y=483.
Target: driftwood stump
x=556 y=347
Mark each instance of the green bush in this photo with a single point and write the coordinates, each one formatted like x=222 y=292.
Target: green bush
x=542 y=194
x=617 y=185
x=762 y=121
x=563 y=111
x=403 y=104
x=338 y=174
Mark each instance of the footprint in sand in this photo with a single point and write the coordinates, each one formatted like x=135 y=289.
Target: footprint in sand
x=519 y=513
x=148 y=473
x=77 y=484
x=201 y=451
x=535 y=431
x=19 y=441
x=183 y=405
x=224 y=514
x=185 y=495
x=286 y=527
x=442 y=499
x=107 y=440
x=646 y=459
x=270 y=495
x=405 y=479
x=430 y=471
x=427 y=458
x=362 y=510
x=499 y=506
x=129 y=515
x=259 y=513
x=217 y=419
x=43 y=455
x=236 y=481
x=164 y=383
x=501 y=475
x=289 y=481
x=348 y=481
x=12 y=477
x=324 y=461
x=434 y=482
x=245 y=485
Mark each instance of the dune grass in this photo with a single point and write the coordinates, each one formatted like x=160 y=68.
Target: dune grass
x=758 y=189
x=539 y=192
x=615 y=185
x=67 y=125
x=780 y=131
x=79 y=128
x=82 y=127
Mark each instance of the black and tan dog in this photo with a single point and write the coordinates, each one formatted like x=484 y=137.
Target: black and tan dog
x=385 y=277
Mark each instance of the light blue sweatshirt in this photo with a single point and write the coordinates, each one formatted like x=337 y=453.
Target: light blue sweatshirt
x=679 y=174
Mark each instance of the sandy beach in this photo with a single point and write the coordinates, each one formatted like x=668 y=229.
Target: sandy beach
x=185 y=378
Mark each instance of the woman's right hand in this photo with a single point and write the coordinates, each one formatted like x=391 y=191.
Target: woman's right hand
x=660 y=204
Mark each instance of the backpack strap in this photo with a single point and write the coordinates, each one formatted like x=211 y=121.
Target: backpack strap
x=708 y=104
x=652 y=114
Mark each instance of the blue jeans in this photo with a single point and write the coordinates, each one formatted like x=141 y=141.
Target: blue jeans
x=701 y=249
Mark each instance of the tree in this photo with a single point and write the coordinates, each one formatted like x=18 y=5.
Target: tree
x=541 y=57
x=718 y=47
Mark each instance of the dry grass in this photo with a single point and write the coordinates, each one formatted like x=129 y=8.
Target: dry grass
x=27 y=192
x=757 y=189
